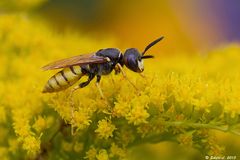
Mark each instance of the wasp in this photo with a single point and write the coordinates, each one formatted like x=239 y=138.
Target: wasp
x=96 y=64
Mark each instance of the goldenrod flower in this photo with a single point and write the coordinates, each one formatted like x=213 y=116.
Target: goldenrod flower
x=120 y=109
x=91 y=154
x=172 y=102
x=31 y=145
x=116 y=151
x=102 y=155
x=81 y=120
x=137 y=115
x=40 y=124
x=105 y=129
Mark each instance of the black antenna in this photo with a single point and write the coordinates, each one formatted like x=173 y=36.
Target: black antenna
x=152 y=44
x=147 y=56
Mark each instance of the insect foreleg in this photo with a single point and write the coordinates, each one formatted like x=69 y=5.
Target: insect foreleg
x=117 y=69
x=142 y=75
x=125 y=76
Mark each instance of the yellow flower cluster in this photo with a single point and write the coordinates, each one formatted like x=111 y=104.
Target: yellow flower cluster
x=105 y=129
x=102 y=154
x=176 y=97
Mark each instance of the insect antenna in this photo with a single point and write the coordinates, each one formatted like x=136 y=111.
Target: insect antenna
x=152 y=44
x=147 y=56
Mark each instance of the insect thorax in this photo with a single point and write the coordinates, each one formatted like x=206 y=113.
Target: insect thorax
x=115 y=57
x=113 y=53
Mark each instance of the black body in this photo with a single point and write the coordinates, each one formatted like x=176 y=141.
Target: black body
x=132 y=59
x=98 y=70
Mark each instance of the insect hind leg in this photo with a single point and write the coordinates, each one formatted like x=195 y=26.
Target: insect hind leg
x=81 y=85
x=84 y=84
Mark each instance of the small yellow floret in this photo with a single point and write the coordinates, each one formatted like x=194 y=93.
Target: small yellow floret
x=117 y=151
x=40 y=124
x=137 y=115
x=105 y=129
x=91 y=154
x=102 y=155
x=31 y=145
x=81 y=120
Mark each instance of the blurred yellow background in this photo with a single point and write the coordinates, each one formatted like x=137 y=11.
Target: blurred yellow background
x=31 y=32
x=187 y=25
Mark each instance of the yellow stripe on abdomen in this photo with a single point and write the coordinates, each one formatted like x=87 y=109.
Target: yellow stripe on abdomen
x=63 y=79
x=76 y=69
x=60 y=78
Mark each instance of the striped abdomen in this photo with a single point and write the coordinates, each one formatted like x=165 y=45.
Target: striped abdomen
x=63 y=79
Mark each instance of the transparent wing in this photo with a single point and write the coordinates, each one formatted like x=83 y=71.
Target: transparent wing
x=76 y=60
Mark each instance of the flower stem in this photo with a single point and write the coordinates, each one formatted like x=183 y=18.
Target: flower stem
x=201 y=125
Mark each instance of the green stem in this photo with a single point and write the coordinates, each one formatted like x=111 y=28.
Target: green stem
x=154 y=139
x=201 y=125
x=162 y=137
x=195 y=125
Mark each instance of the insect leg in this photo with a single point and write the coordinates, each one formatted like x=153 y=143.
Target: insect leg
x=81 y=85
x=84 y=84
x=125 y=76
x=117 y=69
x=142 y=75
x=98 y=86
x=102 y=96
